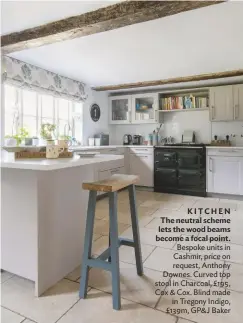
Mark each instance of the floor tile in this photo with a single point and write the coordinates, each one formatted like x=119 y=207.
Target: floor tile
x=5 y=275
x=236 y=279
x=98 y=308
x=28 y=321
x=102 y=227
x=139 y=289
x=18 y=295
x=126 y=254
x=163 y=260
x=236 y=254
x=235 y=315
x=148 y=236
x=8 y=316
x=74 y=275
x=184 y=321
x=151 y=203
x=171 y=205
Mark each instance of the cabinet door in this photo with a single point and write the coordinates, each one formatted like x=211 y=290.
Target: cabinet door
x=221 y=103
x=120 y=170
x=103 y=175
x=120 y=109
x=145 y=108
x=241 y=177
x=224 y=175
x=143 y=166
x=238 y=102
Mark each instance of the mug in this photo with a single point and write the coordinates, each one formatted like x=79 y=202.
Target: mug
x=63 y=143
x=53 y=151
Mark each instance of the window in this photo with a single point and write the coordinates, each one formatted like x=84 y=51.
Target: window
x=30 y=109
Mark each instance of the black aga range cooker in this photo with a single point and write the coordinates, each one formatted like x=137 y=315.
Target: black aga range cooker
x=180 y=169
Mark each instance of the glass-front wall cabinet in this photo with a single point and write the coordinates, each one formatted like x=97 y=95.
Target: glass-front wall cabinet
x=120 y=109
x=139 y=108
x=144 y=108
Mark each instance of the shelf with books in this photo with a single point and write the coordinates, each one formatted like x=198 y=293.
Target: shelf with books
x=184 y=100
x=184 y=110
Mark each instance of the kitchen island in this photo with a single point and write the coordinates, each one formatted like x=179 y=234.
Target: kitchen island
x=44 y=215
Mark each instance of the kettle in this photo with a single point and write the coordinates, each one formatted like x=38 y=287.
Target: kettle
x=127 y=139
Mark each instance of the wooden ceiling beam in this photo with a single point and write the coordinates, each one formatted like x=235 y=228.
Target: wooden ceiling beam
x=183 y=79
x=112 y=17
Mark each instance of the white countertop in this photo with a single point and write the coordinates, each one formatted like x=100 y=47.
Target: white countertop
x=226 y=147
x=76 y=148
x=53 y=164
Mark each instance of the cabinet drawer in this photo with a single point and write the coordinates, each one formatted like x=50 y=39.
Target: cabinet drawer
x=225 y=152
x=112 y=151
x=142 y=166
x=142 y=150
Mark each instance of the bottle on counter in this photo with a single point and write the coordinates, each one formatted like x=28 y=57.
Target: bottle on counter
x=155 y=138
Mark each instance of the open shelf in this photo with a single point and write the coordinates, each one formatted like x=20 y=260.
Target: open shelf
x=189 y=100
x=183 y=110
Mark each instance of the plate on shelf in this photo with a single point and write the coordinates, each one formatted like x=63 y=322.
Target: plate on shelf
x=87 y=154
x=17 y=149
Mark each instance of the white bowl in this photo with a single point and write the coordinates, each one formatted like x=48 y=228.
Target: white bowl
x=87 y=154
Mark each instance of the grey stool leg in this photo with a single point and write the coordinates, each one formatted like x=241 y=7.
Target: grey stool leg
x=114 y=251
x=135 y=230
x=87 y=244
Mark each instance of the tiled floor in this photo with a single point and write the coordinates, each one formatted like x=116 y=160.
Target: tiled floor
x=140 y=303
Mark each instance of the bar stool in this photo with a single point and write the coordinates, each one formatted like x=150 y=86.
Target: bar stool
x=111 y=186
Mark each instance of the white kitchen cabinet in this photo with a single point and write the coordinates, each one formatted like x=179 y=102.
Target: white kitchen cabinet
x=221 y=103
x=145 y=108
x=120 y=109
x=134 y=109
x=238 y=102
x=224 y=175
x=142 y=165
x=104 y=174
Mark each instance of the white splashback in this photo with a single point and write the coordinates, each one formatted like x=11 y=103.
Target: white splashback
x=233 y=129
x=198 y=121
x=174 y=124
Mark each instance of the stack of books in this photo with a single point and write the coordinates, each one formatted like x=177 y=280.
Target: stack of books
x=184 y=102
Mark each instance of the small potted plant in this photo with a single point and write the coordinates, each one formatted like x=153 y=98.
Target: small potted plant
x=47 y=133
x=17 y=139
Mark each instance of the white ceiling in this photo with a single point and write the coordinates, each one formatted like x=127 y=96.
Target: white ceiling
x=19 y=15
x=200 y=41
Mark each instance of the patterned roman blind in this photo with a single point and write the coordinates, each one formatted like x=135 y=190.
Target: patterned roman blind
x=28 y=76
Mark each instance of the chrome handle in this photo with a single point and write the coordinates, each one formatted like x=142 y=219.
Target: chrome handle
x=210 y=165
x=213 y=112
x=236 y=111
x=114 y=171
x=143 y=149
x=130 y=116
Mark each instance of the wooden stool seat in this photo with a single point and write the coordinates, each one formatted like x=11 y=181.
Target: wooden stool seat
x=109 y=259
x=112 y=184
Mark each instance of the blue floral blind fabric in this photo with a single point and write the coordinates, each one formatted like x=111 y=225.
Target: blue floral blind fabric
x=25 y=75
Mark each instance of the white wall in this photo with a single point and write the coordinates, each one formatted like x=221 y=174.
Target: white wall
x=89 y=126
x=174 y=125
x=233 y=129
